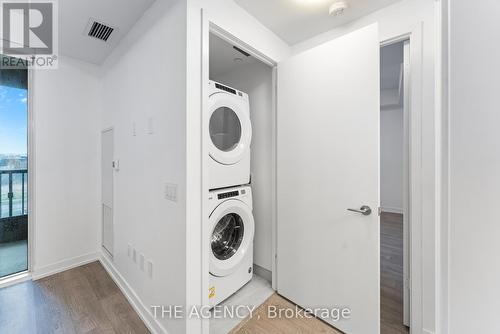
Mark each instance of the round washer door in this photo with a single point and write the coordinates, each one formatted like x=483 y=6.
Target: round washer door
x=230 y=128
x=231 y=235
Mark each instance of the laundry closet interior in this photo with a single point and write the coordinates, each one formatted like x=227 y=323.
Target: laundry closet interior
x=236 y=74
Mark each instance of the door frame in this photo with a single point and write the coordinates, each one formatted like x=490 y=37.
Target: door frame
x=414 y=35
x=31 y=174
x=26 y=275
x=107 y=252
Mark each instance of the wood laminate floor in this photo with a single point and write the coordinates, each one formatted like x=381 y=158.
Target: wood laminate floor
x=391 y=262
x=260 y=323
x=86 y=300
x=80 y=300
x=391 y=274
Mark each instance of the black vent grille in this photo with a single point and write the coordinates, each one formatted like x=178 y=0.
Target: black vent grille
x=100 y=31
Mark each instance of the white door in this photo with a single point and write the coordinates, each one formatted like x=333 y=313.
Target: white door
x=107 y=148
x=327 y=163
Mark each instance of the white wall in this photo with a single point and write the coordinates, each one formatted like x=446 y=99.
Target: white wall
x=256 y=80
x=145 y=78
x=391 y=160
x=474 y=274
x=66 y=113
x=403 y=17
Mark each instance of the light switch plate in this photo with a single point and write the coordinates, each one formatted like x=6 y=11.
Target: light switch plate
x=150 y=269
x=141 y=261
x=134 y=255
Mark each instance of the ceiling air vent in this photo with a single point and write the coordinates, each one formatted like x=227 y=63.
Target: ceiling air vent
x=99 y=30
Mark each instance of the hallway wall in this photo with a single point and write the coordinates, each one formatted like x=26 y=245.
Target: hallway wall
x=391 y=160
x=67 y=122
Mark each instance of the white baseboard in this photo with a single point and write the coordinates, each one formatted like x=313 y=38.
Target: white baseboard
x=142 y=310
x=63 y=265
x=263 y=272
x=388 y=209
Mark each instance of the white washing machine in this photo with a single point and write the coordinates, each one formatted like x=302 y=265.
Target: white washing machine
x=230 y=133
x=231 y=241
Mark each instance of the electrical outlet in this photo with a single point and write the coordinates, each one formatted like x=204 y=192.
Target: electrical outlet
x=171 y=192
x=134 y=255
x=150 y=269
x=129 y=250
x=141 y=261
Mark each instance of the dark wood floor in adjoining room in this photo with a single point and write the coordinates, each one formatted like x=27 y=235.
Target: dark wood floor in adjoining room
x=391 y=274
x=80 y=300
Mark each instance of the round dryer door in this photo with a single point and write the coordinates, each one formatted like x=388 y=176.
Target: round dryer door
x=232 y=232
x=229 y=128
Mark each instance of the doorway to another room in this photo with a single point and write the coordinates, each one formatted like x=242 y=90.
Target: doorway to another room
x=394 y=181
x=13 y=172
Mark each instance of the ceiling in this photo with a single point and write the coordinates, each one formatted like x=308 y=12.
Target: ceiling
x=297 y=20
x=222 y=58
x=74 y=16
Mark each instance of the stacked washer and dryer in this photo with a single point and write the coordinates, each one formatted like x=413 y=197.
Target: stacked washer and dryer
x=230 y=197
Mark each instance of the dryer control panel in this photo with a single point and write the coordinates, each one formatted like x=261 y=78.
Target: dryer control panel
x=229 y=194
x=216 y=87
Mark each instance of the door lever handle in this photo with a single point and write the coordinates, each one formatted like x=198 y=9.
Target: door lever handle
x=364 y=210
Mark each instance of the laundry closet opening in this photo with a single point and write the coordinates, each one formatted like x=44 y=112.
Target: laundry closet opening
x=240 y=177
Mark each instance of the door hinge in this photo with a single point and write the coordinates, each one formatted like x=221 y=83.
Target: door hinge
x=407 y=284
x=379 y=210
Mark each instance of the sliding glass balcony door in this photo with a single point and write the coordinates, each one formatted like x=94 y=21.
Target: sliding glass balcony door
x=14 y=194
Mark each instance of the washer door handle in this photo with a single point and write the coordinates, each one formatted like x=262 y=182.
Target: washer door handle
x=364 y=210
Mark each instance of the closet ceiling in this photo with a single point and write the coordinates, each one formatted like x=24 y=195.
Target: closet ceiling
x=74 y=17
x=297 y=20
x=224 y=58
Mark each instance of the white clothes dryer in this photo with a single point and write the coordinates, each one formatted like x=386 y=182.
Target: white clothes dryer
x=230 y=132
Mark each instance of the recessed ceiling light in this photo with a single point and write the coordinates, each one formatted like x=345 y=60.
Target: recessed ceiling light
x=338 y=8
